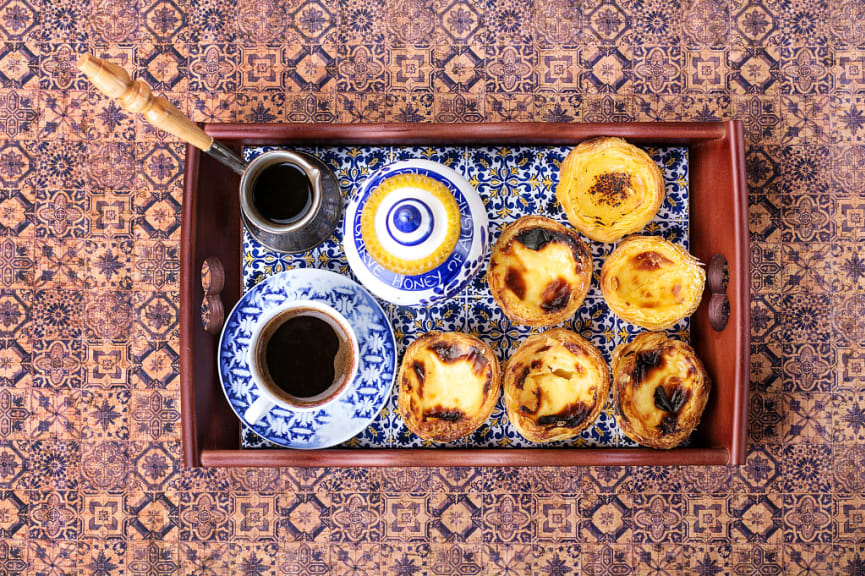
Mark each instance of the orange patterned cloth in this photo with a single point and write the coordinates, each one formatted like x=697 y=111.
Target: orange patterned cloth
x=91 y=479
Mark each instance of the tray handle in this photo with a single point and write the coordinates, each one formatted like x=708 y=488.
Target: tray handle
x=717 y=276
x=212 y=282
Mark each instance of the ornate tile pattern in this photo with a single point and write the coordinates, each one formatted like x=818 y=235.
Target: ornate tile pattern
x=90 y=197
x=512 y=182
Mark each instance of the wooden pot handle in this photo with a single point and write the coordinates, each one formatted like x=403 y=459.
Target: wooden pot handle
x=136 y=96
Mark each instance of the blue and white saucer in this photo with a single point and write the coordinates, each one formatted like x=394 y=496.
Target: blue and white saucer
x=365 y=396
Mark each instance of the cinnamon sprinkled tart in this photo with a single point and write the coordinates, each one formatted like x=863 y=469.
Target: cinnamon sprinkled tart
x=609 y=188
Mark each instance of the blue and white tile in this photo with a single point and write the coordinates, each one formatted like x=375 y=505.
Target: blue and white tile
x=252 y=152
x=410 y=323
x=673 y=162
x=487 y=322
x=513 y=182
x=506 y=178
x=675 y=231
x=353 y=164
x=259 y=262
x=454 y=157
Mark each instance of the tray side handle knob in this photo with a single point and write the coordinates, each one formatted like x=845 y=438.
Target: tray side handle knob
x=212 y=314
x=717 y=277
x=136 y=96
x=212 y=282
x=212 y=275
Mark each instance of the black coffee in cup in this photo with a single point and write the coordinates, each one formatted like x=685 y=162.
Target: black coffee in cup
x=300 y=356
x=282 y=193
x=304 y=356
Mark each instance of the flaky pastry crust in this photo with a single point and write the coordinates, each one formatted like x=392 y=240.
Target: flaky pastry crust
x=660 y=389
x=449 y=383
x=609 y=188
x=555 y=385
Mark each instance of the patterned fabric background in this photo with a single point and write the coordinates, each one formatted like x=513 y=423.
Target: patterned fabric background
x=90 y=473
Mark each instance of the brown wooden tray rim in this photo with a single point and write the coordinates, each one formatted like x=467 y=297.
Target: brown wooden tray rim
x=494 y=133
x=436 y=457
x=211 y=228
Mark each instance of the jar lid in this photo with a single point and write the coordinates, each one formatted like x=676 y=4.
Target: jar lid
x=416 y=232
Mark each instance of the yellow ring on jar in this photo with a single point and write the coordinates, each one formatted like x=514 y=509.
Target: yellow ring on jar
x=394 y=262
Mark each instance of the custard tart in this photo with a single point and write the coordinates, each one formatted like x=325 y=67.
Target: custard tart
x=449 y=383
x=609 y=188
x=556 y=384
x=651 y=282
x=660 y=389
x=539 y=272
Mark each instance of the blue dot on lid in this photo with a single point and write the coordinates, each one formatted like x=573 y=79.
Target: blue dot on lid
x=407 y=218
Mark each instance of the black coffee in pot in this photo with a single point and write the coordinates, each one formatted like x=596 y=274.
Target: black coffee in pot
x=282 y=193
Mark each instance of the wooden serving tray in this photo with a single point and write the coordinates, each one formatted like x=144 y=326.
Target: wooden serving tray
x=718 y=226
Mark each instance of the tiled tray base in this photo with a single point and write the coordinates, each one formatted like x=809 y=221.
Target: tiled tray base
x=513 y=182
